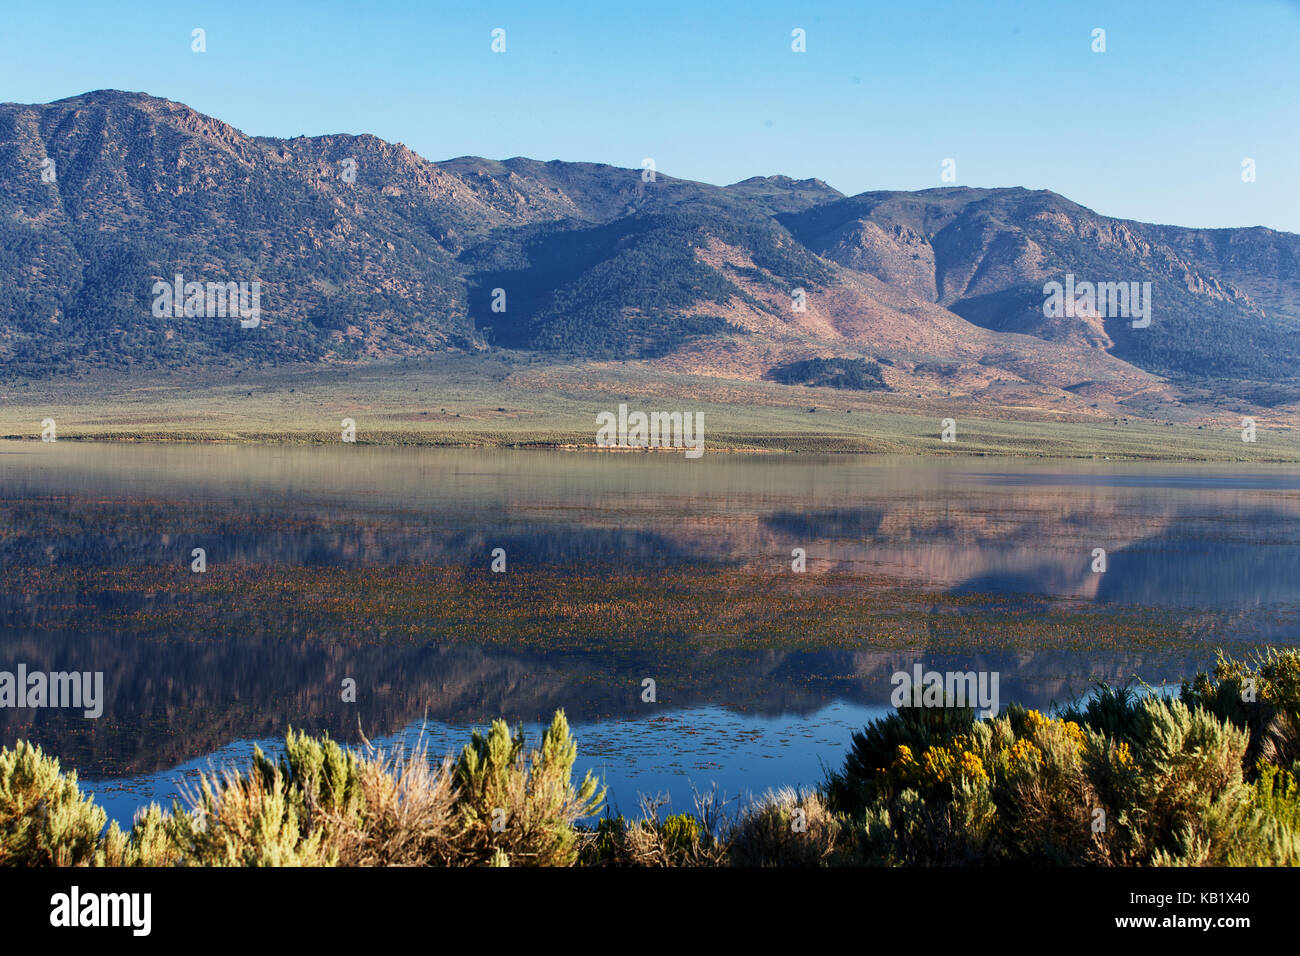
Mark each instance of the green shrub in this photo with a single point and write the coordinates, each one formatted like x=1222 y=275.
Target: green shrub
x=1261 y=694
x=1276 y=801
x=1131 y=781
x=681 y=835
x=1046 y=798
x=605 y=846
x=320 y=776
x=148 y=842
x=853 y=788
x=1112 y=712
x=524 y=807
x=249 y=820
x=44 y=818
x=370 y=809
x=1178 y=795
x=954 y=831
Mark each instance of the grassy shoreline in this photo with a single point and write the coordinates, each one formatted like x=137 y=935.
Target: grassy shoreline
x=733 y=444
x=503 y=403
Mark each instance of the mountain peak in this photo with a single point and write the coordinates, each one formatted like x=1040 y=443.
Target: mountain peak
x=784 y=194
x=137 y=99
x=788 y=182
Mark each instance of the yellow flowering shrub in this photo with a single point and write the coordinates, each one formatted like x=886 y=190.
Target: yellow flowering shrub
x=1022 y=755
x=1123 y=756
x=1075 y=734
x=937 y=765
x=972 y=767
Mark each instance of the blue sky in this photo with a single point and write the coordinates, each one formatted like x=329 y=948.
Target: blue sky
x=1155 y=128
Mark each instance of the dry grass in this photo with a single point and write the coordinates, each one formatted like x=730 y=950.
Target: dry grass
x=786 y=827
x=409 y=817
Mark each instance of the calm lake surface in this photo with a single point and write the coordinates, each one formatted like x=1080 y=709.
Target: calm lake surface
x=373 y=565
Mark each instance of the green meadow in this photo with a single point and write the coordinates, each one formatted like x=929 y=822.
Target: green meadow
x=510 y=401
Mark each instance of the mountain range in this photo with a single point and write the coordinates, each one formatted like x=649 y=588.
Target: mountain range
x=365 y=251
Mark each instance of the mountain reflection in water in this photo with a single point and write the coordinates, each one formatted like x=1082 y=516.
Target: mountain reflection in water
x=620 y=567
